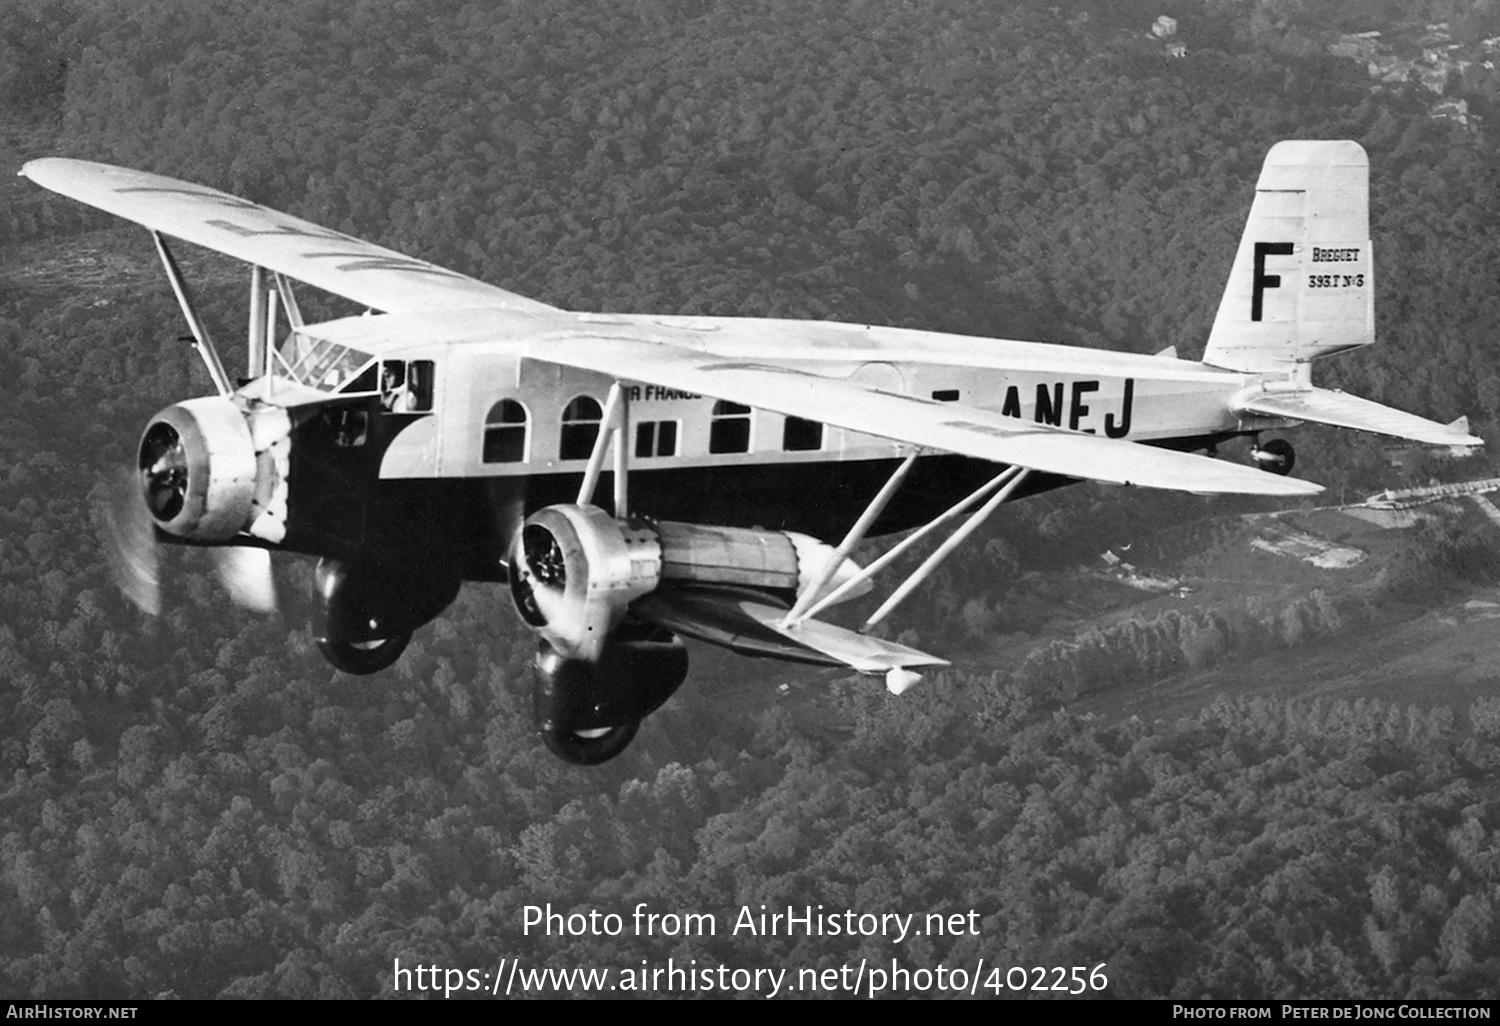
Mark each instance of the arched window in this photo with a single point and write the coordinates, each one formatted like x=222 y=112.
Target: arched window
x=505 y=433
x=580 y=427
x=729 y=431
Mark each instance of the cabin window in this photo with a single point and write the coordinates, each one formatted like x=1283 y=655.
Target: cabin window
x=801 y=435
x=946 y=395
x=505 y=433
x=656 y=438
x=580 y=428
x=729 y=430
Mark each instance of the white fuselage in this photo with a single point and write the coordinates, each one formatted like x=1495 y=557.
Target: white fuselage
x=487 y=357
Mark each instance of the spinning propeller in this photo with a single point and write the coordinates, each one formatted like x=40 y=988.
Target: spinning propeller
x=161 y=491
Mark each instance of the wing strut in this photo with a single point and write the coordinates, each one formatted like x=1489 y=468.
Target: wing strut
x=256 y=334
x=856 y=534
x=611 y=429
x=289 y=300
x=997 y=490
x=201 y=341
x=1017 y=475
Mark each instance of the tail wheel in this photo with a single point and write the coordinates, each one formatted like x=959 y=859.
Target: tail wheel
x=362 y=657
x=1277 y=456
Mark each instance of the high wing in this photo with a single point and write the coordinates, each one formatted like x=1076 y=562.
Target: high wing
x=639 y=349
x=374 y=276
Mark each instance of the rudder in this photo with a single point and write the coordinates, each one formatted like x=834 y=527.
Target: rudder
x=1303 y=283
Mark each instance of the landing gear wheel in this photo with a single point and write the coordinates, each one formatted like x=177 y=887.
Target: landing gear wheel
x=1277 y=456
x=362 y=657
x=590 y=747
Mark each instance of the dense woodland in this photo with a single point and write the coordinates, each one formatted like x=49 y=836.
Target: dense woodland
x=198 y=805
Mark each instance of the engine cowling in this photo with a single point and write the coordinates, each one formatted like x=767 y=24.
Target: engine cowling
x=197 y=465
x=574 y=570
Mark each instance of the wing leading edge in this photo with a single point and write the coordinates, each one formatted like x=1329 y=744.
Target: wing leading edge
x=377 y=277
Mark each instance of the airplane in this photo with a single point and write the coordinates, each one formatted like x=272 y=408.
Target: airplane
x=637 y=479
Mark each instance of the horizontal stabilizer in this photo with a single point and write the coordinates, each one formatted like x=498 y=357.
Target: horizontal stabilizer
x=1338 y=409
x=751 y=625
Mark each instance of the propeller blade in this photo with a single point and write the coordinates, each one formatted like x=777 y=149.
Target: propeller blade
x=246 y=574
x=129 y=539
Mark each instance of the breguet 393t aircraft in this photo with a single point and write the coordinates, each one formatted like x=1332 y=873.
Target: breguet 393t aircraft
x=640 y=478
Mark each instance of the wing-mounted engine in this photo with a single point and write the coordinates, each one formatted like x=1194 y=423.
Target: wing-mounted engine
x=365 y=611
x=575 y=573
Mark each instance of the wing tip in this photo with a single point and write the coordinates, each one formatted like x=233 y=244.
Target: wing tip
x=1285 y=486
x=1302 y=487
x=1274 y=487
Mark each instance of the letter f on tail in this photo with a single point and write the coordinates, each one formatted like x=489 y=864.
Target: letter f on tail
x=1302 y=284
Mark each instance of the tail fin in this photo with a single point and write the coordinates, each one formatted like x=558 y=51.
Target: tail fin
x=1303 y=282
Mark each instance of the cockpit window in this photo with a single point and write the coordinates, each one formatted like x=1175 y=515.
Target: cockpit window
x=406 y=386
x=368 y=380
x=322 y=363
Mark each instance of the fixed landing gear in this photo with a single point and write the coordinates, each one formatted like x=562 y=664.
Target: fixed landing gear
x=590 y=747
x=588 y=712
x=362 y=657
x=1277 y=456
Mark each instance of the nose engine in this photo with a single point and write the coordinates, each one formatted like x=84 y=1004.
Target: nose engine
x=197 y=466
x=209 y=472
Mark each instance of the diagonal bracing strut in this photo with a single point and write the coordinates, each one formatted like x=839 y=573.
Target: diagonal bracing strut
x=201 y=341
x=997 y=490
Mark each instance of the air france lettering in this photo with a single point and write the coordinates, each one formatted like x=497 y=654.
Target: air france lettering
x=657 y=394
x=371 y=258
x=1062 y=403
x=279 y=229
